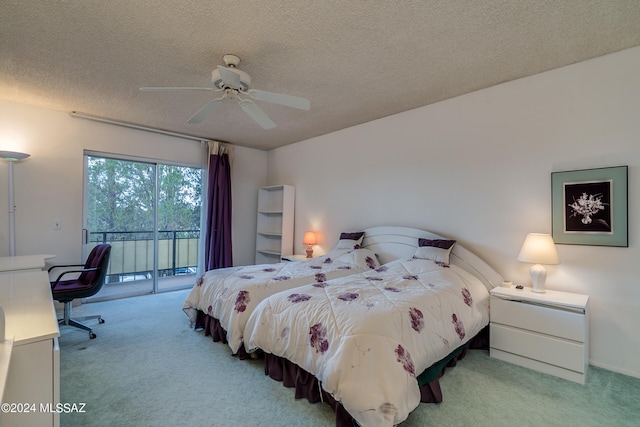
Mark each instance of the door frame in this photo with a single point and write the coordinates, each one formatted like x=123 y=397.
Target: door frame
x=156 y=163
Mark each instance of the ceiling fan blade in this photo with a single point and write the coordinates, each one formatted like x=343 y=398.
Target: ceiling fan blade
x=257 y=114
x=276 y=98
x=229 y=77
x=206 y=111
x=170 y=89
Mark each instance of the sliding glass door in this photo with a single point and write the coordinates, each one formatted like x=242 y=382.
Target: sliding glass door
x=150 y=213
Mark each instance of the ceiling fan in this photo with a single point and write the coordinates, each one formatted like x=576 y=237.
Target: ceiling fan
x=235 y=83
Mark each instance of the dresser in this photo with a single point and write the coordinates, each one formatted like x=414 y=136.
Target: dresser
x=32 y=380
x=548 y=332
x=21 y=263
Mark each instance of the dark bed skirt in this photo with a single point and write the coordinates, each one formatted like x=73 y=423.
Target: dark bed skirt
x=308 y=387
x=211 y=327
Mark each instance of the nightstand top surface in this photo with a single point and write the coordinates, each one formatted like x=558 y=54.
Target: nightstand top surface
x=301 y=257
x=556 y=298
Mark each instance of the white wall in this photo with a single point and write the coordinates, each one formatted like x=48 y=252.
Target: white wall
x=477 y=168
x=249 y=173
x=49 y=184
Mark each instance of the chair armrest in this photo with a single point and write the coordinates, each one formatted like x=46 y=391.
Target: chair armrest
x=83 y=270
x=65 y=266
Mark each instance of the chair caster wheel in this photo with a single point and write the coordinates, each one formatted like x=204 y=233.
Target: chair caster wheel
x=91 y=335
x=100 y=320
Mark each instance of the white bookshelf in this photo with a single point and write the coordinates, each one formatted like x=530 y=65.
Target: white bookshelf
x=274 y=231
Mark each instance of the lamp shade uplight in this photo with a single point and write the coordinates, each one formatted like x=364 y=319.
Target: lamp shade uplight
x=13 y=156
x=538 y=249
x=310 y=238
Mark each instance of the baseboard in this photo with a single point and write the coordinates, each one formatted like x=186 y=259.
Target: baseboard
x=614 y=369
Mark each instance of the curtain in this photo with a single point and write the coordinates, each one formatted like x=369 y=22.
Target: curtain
x=217 y=249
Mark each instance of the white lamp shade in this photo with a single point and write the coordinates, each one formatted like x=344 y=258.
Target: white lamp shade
x=539 y=249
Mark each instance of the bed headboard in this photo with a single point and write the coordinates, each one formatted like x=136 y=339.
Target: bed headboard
x=391 y=243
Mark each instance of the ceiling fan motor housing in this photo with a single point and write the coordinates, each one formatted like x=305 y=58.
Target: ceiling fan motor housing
x=245 y=79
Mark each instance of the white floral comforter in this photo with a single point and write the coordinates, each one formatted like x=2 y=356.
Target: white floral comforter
x=231 y=294
x=366 y=337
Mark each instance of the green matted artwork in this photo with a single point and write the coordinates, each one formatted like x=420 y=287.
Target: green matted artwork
x=590 y=207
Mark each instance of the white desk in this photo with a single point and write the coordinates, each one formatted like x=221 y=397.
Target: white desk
x=14 y=264
x=5 y=356
x=34 y=368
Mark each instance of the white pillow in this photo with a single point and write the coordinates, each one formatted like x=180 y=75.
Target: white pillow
x=437 y=250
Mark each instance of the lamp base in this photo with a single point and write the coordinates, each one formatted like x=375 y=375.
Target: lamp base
x=309 y=251
x=538 y=277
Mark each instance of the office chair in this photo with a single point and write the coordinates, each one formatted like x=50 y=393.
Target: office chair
x=88 y=283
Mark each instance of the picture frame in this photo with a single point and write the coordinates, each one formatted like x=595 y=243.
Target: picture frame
x=590 y=207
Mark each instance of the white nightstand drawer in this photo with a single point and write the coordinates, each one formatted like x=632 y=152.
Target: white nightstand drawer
x=544 y=348
x=538 y=318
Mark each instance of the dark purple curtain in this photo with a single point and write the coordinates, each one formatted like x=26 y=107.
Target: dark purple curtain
x=218 y=235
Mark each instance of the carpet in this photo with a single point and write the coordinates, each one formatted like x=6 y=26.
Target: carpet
x=148 y=367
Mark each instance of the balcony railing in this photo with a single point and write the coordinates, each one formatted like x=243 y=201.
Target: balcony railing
x=132 y=253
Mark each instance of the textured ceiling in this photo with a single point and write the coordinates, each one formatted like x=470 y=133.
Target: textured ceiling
x=355 y=60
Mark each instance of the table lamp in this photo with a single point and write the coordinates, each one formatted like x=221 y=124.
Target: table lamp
x=538 y=249
x=309 y=240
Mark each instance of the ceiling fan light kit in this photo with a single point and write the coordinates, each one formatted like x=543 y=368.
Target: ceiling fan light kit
x=236 y=78
x=236 y=84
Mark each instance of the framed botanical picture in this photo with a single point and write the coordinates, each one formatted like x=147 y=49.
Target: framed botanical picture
x=590 y=207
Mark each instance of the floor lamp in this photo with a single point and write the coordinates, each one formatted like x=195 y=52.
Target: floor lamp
x=12 y=157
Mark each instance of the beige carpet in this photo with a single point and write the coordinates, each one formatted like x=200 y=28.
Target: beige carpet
x=147 y=367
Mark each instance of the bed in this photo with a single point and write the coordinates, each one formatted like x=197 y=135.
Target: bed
x=222 y=299
x=372 y=343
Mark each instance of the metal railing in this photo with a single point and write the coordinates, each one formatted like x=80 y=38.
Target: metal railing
x=132 y=253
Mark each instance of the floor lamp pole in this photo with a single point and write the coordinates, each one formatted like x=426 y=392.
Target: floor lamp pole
x=12 y=213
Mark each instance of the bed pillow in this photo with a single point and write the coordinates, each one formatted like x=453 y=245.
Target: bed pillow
x=437 y=250
x=350 y=240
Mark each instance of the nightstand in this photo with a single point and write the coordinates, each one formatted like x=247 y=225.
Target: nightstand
x=548 y=332
x=293 y=258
